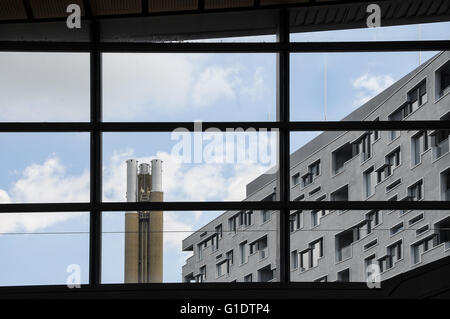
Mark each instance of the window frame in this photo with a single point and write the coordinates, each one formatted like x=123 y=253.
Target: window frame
x=283 y=48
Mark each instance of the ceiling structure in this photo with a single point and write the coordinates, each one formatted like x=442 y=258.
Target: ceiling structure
x=176 y=20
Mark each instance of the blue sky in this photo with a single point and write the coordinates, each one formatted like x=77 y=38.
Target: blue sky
x=155 y=87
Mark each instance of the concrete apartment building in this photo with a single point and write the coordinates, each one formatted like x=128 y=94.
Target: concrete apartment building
x=345 y=166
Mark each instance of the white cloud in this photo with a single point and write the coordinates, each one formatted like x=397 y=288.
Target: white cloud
x=4 y=197
x=135 y=86
x=176 y=231
x=215 y=83
x=48 y=182
x=369 y=86
x=31 y=222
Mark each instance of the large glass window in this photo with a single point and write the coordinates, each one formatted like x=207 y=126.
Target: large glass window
x=197 y=174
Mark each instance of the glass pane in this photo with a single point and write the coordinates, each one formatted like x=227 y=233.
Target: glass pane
x=378 y=86
x=411 y=32
x=190 y=246
x=358 y=166
x=189 y=87
x=44 y=167
x=44 y=87
x=210 y=166
x=360 y=246
x=44 y=249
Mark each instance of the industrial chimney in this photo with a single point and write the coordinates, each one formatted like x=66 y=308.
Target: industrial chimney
x=144 y=229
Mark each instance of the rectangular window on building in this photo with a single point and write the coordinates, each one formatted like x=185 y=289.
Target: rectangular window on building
x=307 y=179
x=419 y=144
x=423 y=246
x=445 y=185
x=294 y=259
x=248 y=278
x=295 y=179
x=232 y=225
x=395 y=116
x=394 y=251
x=415 y=150
x=440 y=140
x=243 y=252
x=396 y=229
x=415 y=219
x=367 y=263
x=316 y=249
x=341 y=194
x=248 y=220
x=229 y=257
x=202 y=277
x=314 y=168
x=393 y=185
x=322 y=279
x=341 y=156
x=260 y=246
x=344 y=275
x=366 y=146
x=222 y=268
x=296 y=221
x=265 y=216
x=304 y=260
x=415 y=192
x=417 y=97
x=316 y=216
x=200 y=251
x=373 y=219
x=442 y=81
x=219 y=232
x=443 y=232
x=344 y=243
x=370 y=244
x=376 y=134
x=369 y=182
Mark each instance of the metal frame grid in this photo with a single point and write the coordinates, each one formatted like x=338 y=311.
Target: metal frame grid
x=283 y=48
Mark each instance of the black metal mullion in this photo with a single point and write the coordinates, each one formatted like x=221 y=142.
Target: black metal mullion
x=225 y=206
x=211 y=47
x=283 y=157
x=28 y=9
x=95 y=233
x=223 y=126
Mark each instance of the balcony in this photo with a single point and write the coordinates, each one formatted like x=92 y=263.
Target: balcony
x=441 y=148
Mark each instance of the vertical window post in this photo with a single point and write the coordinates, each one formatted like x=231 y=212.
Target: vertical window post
x=95 y=233
x=283 y=156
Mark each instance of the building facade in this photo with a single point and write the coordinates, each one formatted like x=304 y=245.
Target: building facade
x=346 y=166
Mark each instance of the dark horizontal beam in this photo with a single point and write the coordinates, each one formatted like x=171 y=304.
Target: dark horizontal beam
x=224 y=206
x=369 y=46
x=369 y=125
x=198 y=11
x=223 y=126
x=429 y=280
x=223 y=47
